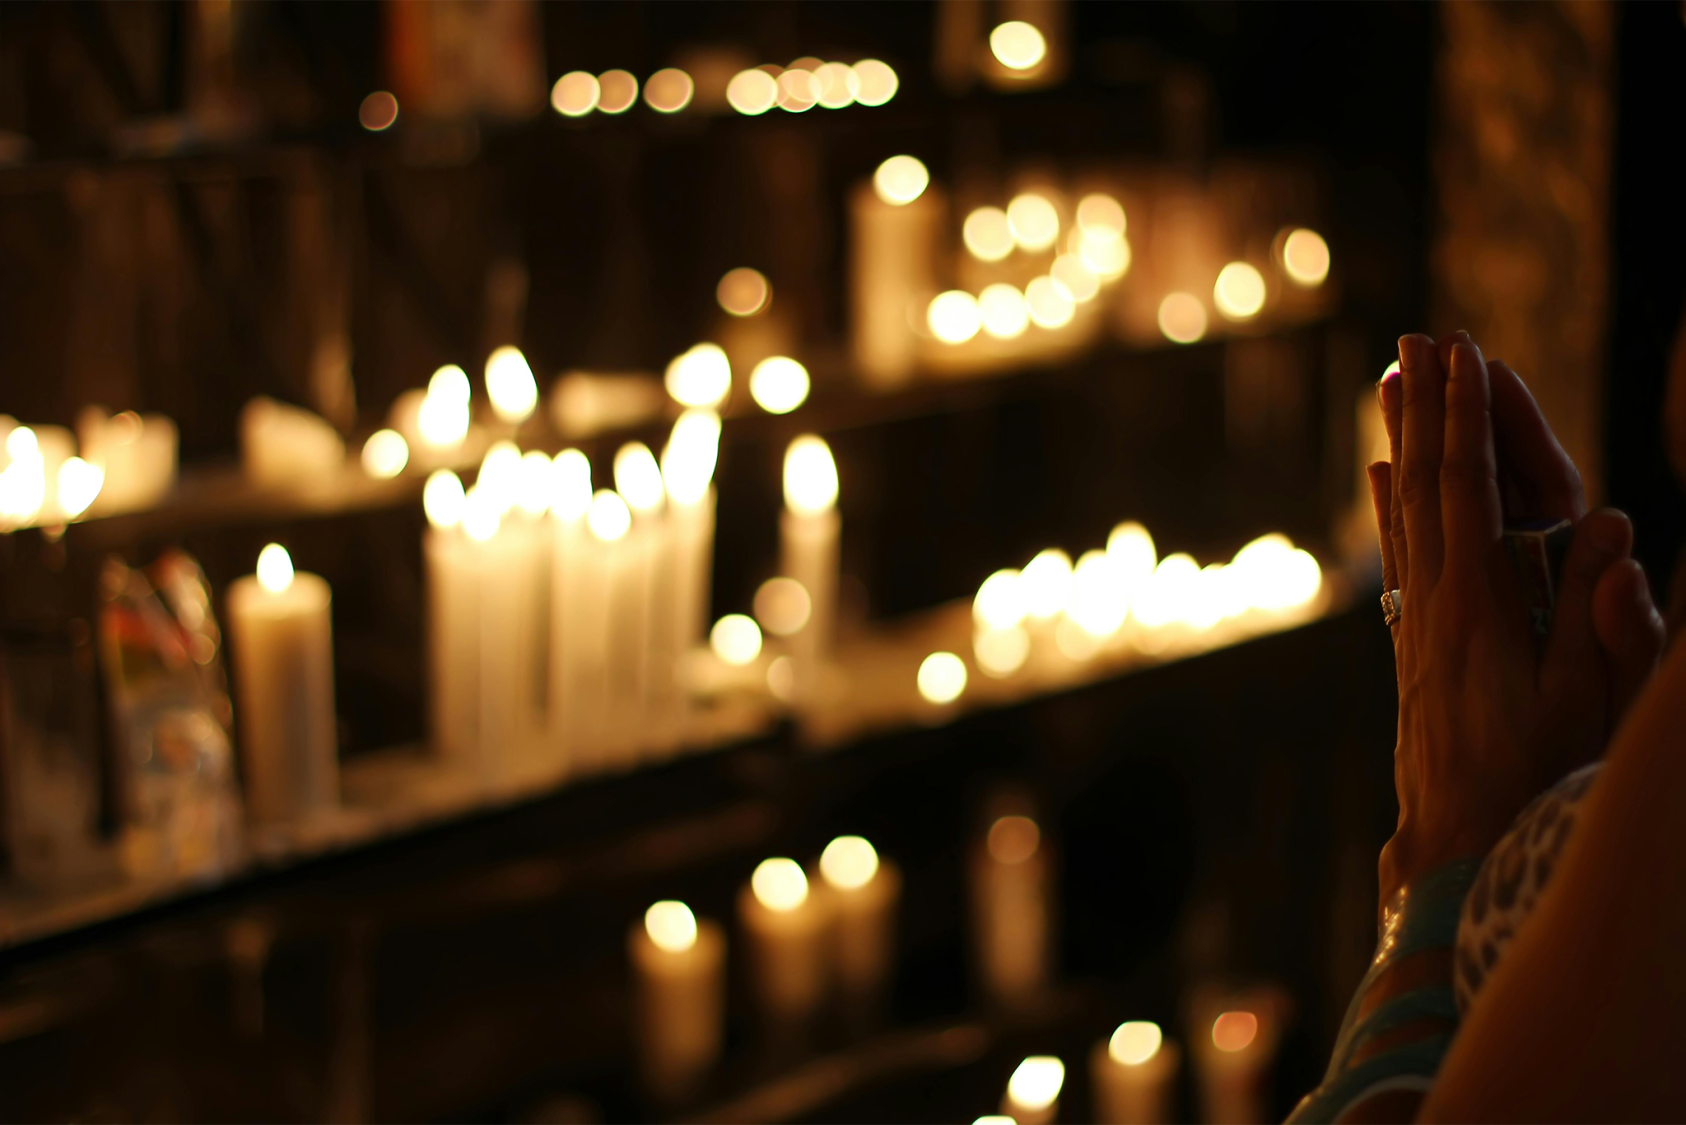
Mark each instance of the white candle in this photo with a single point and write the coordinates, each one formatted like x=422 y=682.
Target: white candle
x=442 y=416
x=1233 y=1055
x=688 y=465
x=1033 y=1093
x=645 y=687
x=284 y=446
x=572 y=603
x=785 y=929
x=608 y=521
x=679 y=982
x=865 y=893
x=893 y=229
x=284 y=677
x=137 y=455
x=1133 y=1074
x=453 y=631
x=809 y=534
x=1010 y=901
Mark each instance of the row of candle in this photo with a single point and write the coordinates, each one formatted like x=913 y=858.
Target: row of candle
x=125 y=462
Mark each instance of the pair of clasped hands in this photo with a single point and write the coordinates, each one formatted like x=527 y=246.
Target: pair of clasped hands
x=1489 y=717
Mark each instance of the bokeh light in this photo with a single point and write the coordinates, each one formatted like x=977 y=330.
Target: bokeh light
x=743 y=292
x=1182 y=318
x=1017 y=45
x=378 y=112
x=735 y=639
x=752 y=92
x=875 y=82
x=942 y=677
x=953 y=317
x=617 y=91
x=900 y=180
x=669 y=90
x=1239 y=291
x=1034 y=221
x=575 y=94
x=779 y=384
x=1305 y=257
x=1002 y=312
x=987 y=235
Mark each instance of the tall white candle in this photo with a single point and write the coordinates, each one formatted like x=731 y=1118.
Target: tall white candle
x=688 y=465
x=1010 y=901
x=1033 y=1092
x=608 y=521
x=284 y=675
x=809 y=534
x=679 y=981
x=894 y=224
x=453 y=630
x=865 y=893
x=645 y=671
x=573 y=580
x=1133 y=1074
x=785 y=928
x=498 y=619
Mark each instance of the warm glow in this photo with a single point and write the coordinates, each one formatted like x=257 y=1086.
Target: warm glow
x=1106 y=252
x=444 y=414
x=385 y=454
x=779 y=384
x=743 y=291
x=609 y=518
x=570 y=485
x=1017 y=45
x=617 y=91
x=532 y=484
x=671 y=926
x=1046 y=582
x=22 y=444
x=1305 y=257
x=848 y=863
x=637 y=477
x=1001 y=652
x=1048 y=304
x=752 y=92
x=450 y=383
x=900 y=180
x=735 y=639
x=1036 y=1083
x=942 y=677
x=1170 y=594
x=669 y=90
x=23 y=484
x=810 y=476
x=1272 y=574
x=799 y=91
x=79 y=485
x=378 y=112
x=275 y=568
x=1131 y=548
x=875 y=82
x=1000 y=603
x=837 y=84
x=575 y=94
x=1182 y=318
x=692 y=451
x=482 y=513
x=1239 y=292
x=1034 y=222
x=443 y=498
x=1134 y=1043
x=510 y=385
x=1100 y=212
x=1099 y=599
x=781 y=679
x=1075 y=278
x=993 y=1119
x=987 y=235
x=1235 y=1031
x=1001 y=309
x=779 y=885
x=782 y=606
x=954 y=317
x=1013 y=839
x=499 y=479
x=701 y=377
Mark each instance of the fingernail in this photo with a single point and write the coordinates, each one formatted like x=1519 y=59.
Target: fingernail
x=1410 y=352
x=1464 y=359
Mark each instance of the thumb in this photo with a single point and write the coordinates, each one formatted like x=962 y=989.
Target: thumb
x=1629 y=629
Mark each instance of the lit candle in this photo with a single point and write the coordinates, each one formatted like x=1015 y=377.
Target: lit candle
x=688 y=465
x=637 y=584
x=864 y=892
x=1033 y=1092
x=574 y=604
x=809 y=533
x=679 y=979
x=284 y=677
x=505 y=549
x=1233 y=1056
x=453 y=630
x=442 y=416
x=1133 y=1075
x=608 y=520
x=893 y=228
x=285 y=446
x=137 y=455
x=1011 y=910
x=785 y=928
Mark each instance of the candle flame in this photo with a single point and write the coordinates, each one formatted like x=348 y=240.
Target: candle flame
x=1235 y=1031
x=689 y=459
x=848 y=863
x=1014 y=839
x=779 y=885
x=1034 y=221
x=499 y=479
x=1002 y=311
x=900 y=180
x=1131 y=547
x=1001 y=652
x=570 y=485
x=779 y=384
x=575 y=94
x=810 y=476
x=1037 y=1081
x=1099 y=600
x=1135 y=1042
x=987 y=235
x=954 y=316
x=1017 y=45
x=1000 y=602
x=79 y=485
x=701 y=377
x=752 y=92
x=275 y=568
x=671 y=926
x=443 y=498
x=532 y=483
x=1046 y=581
x=481 y=514
x=1100 y=212
x=637 y=478
x=609 y=518
x=942 y=677
x=735 y=639
x=385 y=454
x=1048 y=304
x=876 y=82
x=510 y=385
x=1305 y=257
x=1239 y=291
x=444 y=415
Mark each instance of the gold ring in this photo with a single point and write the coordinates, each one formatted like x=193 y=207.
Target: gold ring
x=1393 y=604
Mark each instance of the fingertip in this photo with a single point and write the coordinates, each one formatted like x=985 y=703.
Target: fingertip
x=1623 y=615
x=1609 y=531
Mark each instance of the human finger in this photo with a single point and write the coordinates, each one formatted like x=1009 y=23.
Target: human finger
x=1381 y=499
x=1629 y=629
x=1390 y=391
x=1602 y=538
x=1422 y=437
x=1541 y=473
x=1470 y=512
